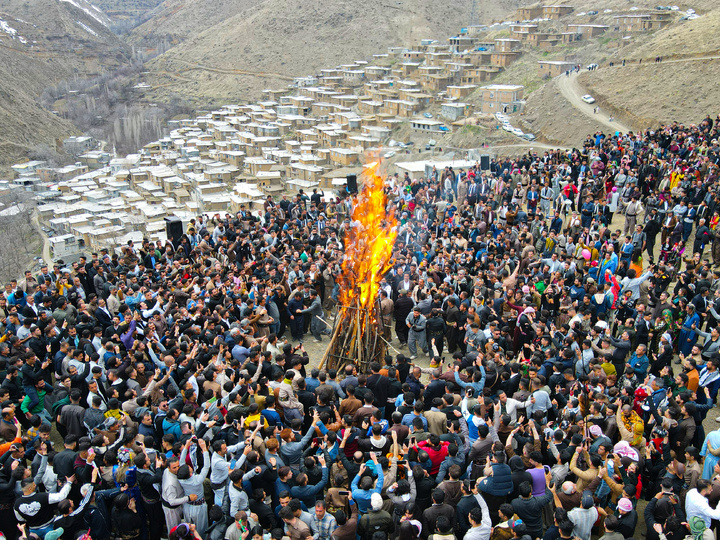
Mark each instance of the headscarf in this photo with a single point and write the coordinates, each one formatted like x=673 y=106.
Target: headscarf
x=526 y=311
x=667 y=316
x=516 y=464
x=697 y=527
x=663 y=510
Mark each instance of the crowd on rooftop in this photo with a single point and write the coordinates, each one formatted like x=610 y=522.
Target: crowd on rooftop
x=567 y=303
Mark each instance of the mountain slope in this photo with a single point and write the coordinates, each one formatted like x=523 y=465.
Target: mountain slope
x=43 y=44
x=682 y=87
x=178 y=20
x=298 y=37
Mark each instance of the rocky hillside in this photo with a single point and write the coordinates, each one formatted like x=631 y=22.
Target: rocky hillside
x=43 y=44
x=236 y=57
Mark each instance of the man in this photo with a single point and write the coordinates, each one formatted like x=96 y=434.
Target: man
x=403 y=309
x=480 y=522
x=362 y=486
x=376 y=520
x=438 y=508
x=307 y=493
x=380 y=386
x=315 y=312
x=323 y=523
x=584 y=517
x=32 y=372
x=220 y=469
x=529 y=508
x=696 y=503
x=416 y=323
x=387 y=306
x=295 y=527
x=287 y=398
x=194 y=509
x=173 y=496
x=37 y=509
x=631 y=214
x=72 y=415
x=639 y=362
x=147 y=480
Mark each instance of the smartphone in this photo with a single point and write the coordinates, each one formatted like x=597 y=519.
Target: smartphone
x=342 y=492
x=402 y=462
x=316 y=441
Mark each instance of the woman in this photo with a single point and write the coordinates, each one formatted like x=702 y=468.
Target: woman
x=711 y=451
x=524 y=330
x=661 y=513
x=402 y=495
x=688 y=336
x=519 y=475
x=409 y=530
x=666 y=323
x=184 y=531
x=126 y=521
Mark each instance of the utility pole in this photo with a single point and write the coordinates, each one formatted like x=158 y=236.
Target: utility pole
x=472 y=13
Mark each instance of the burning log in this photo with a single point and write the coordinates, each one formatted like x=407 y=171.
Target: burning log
x=357 y=336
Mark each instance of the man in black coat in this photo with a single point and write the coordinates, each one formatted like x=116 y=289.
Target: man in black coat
x=438 y=508
x=380 y=386
x=403 y=306
x=651 y=230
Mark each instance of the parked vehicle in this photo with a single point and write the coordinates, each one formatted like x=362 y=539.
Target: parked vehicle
x=588 y=98
x=427 y=115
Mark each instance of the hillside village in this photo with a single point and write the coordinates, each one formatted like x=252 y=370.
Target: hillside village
x=310 y=135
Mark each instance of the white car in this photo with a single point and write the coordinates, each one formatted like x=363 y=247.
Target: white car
x=588 y=98
x=501 y=117
x=507 y=127
x=592 y=66
x=388 y=155
x=518 y=132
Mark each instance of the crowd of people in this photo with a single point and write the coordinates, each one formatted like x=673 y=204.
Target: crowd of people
x=164 y=391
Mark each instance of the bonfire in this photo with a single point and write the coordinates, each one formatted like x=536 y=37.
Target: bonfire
x=357 y=336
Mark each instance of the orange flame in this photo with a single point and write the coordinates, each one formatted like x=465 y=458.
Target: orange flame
x=368 y=244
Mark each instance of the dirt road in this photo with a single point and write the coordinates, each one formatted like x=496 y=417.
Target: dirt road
x=46 y=255
x=573 y=92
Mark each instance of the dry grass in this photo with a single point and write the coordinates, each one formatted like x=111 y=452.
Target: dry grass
x=58 y=49
x=299 y=37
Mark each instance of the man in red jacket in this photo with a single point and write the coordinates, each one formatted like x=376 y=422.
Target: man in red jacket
x=437 y=451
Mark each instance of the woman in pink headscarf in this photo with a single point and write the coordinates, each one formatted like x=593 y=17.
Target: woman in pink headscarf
x=524 y=330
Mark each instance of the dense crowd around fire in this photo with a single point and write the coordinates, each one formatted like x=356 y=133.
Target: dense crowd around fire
x=567 y=303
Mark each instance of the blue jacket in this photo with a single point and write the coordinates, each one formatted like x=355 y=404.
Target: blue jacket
x=640 y=365
x=172 y=427
x=307 y=494
x=500 y=483
x=362 y=496
x=476 y=386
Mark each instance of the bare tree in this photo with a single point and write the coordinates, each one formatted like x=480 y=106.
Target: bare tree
x=20 y=236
